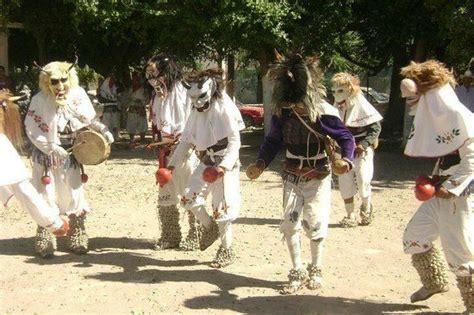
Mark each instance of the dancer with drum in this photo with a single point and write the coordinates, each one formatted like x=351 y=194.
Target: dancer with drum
x=363 y=120
x=60 y=110
x=14 y=180
x=443 y=129
x=170 y=110
x=213 y=131
x=303 y=121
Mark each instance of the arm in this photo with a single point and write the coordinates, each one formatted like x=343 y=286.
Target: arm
x=36 y=206
x=232 y=153
x=335 y=128
x=273 y=141
x=179 y=153
x=103 y=129
x=373 y=132
x=464 y=171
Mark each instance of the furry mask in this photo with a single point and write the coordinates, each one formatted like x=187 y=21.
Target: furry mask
x=344 y=86
x=57 y=78
x=297 y=82
x=428 y=75
x=10 y=120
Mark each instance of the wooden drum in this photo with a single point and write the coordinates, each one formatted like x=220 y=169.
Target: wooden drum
x=90 y=148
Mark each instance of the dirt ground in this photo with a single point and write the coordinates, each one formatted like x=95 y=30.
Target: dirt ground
x=365 y=270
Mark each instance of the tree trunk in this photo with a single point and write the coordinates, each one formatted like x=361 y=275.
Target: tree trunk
x=40 y=43
x=230 y=88
x=264 y=61
x=393 y=123
x=421 y=50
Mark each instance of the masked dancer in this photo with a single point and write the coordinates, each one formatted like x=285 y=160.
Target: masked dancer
x=363 y=120
x=170 y=110
x=442 y=129
x=303 y=121
x=58 y=111
x=213 y=131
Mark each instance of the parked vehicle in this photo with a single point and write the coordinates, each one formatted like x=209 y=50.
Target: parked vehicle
x=374 y=97
x=252 y=114
x=378 y=99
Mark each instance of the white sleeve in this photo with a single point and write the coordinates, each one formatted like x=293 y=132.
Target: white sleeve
x=39 y=210
x=40 y=140
x=98 y=126
x=179 y=153
x=232 y=153
x=463 y=173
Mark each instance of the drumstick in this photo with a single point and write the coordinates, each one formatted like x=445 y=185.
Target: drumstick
x=158 y=144
x=76 y=145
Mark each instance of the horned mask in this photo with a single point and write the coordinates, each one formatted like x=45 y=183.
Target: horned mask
x=202 y=87
x=56 y=79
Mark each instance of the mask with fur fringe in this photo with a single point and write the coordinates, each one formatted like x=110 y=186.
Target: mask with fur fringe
x=297 y=81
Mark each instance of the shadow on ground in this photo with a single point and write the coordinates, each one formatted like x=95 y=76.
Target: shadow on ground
x=295 y=304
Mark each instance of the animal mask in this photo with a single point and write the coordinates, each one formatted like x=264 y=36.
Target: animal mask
x=56 y=79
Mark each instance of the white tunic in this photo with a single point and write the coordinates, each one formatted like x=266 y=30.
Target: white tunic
x=171 y=113
x=43 y=123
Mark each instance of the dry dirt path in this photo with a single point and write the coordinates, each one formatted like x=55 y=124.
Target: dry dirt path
x=365 y=270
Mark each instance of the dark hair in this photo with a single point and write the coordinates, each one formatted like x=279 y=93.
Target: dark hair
x=167 y=67
x=2 y=67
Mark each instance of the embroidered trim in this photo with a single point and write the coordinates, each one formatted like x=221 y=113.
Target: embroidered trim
x=39 y=120
x=448 y=136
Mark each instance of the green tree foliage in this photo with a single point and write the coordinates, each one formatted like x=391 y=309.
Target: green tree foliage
x=347 y=34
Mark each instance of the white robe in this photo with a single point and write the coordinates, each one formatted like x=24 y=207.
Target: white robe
x=205 y=129
x=171 y=113
x=43 y=123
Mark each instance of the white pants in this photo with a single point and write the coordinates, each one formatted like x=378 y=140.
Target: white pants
x=307 y=204
x=225 y=194
x=136 y=123
x=171 y=193
x=33 y=202
x=111 y=120
x=65 y=192
x=450 y=219
x=359 y=177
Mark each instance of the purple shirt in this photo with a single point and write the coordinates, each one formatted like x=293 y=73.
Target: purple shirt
x=325 y=124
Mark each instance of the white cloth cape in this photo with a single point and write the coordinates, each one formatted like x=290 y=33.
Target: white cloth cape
x=44 y=119
x=170 y=114
x=204 y=129
x=324 y=108
x=358 y=112
x=441 y=126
